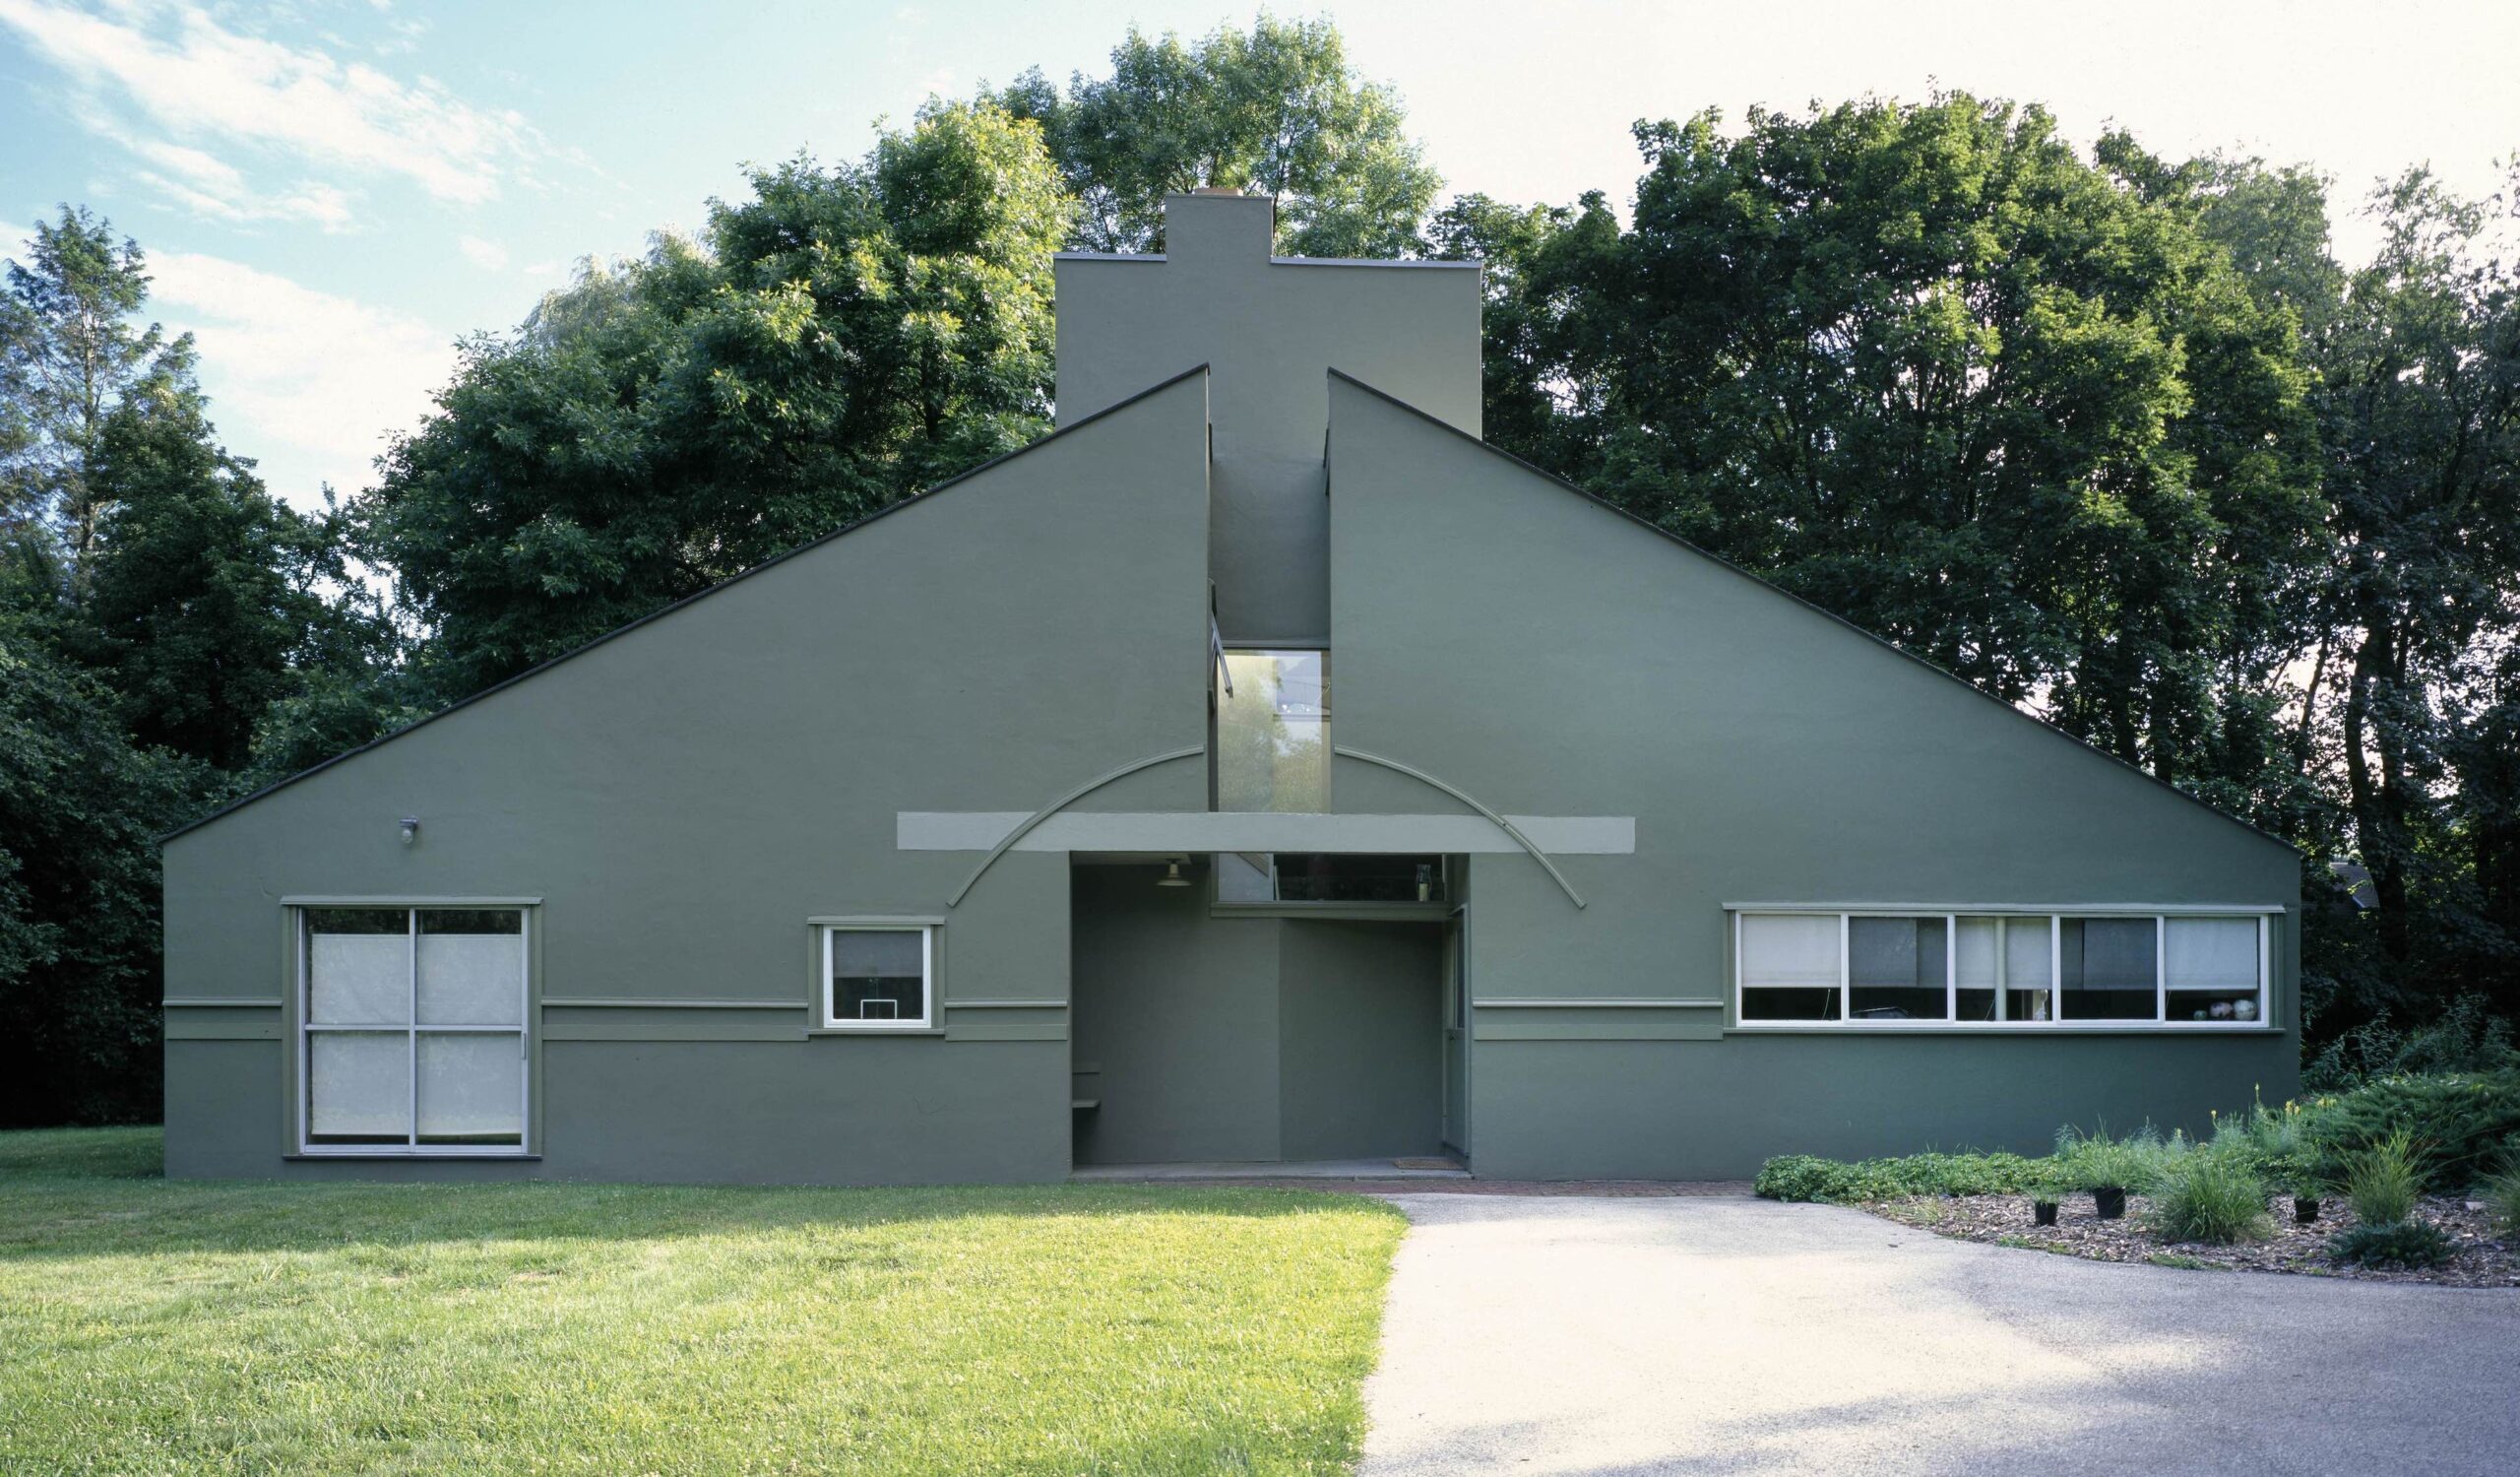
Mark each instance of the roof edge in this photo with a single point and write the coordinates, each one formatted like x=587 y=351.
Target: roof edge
x=1772 y=587
x=662 y=611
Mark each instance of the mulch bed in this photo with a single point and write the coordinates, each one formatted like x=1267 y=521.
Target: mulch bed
x=2480 y=1258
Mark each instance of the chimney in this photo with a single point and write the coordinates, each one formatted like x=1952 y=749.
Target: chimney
x=1219 y=226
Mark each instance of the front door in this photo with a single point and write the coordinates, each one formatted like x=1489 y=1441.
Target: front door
x=1456 y=1034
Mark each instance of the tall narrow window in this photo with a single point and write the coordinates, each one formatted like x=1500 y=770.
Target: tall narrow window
x=414 y=1030
x=1273 y=730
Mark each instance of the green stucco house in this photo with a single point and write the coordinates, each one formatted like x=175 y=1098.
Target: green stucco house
x=1260 y=769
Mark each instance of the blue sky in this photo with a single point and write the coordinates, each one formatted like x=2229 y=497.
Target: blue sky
x=333 y=191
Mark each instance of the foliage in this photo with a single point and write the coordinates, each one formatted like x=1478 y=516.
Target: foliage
x=2384 y=1179
x=843 y=338
x=2464 y=1038
x=1279 y=113
x=80 y=810
x=2212 y=1193
x=2409 y=1244
x=2500 y=1191
x=2458 y=1122
x=696 y=1329
x=1802 y=1177
x=2275 y=1142
x=69 y=354
x=2133 y=1163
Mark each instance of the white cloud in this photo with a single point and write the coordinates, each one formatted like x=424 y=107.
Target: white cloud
x=489 y=256
x=196 y=79
x=311 y=382
x=208 y=185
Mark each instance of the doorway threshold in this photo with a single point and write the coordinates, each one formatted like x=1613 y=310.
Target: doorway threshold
x=1273 y=1169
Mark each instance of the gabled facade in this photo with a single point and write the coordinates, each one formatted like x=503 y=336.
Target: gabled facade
x=1260 y=768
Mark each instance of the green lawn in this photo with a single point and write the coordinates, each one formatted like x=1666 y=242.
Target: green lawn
x=151 y=1326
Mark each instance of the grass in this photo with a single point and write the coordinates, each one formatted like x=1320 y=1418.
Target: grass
x=2211 y=1195
x=2383 y=1181
x=179 y=1328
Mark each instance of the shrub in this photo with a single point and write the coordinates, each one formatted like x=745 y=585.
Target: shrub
x=2383 y=1181
x=2095 y=1161
x=2212 y=1194
x=1803 y=1177
x=2501 y=1192
x=2461 y=1119
x=2467 y=1037
x=2407 y=1244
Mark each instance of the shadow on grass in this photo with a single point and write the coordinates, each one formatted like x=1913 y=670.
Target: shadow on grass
x=80 y=1194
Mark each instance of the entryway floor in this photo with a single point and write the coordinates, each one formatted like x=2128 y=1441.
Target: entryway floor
x=1299 y=1168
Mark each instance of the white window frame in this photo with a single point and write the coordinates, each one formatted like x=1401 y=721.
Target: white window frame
x=302 y=1006
x=1951 y=914
x=930 y=989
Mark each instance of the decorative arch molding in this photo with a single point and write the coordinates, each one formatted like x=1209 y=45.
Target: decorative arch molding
x=1467 y=799
x=1025 y=827
x=1007 y=842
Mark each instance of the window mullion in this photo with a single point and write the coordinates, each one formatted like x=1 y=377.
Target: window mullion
x=2161 y=972
x=1846 y=976
x=411 y=1028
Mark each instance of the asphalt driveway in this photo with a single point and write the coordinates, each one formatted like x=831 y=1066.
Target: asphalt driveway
x=1631 y=1337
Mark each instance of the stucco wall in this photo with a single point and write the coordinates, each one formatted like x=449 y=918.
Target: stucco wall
x=685 y=796
x=1551 y=656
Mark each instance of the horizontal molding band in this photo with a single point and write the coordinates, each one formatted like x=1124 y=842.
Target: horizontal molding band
x=1657 y=1030
x=953 y=1004
x=202 y=1002
x=1259 y=832
x=221 y=1028
x=2024 y=1028
x=631 y=1031
x=2017 y=910
x=1012 y=1032
x=1601 y=1002
x=628 y=1003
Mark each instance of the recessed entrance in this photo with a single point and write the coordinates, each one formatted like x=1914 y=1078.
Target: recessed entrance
x=1203 y=1037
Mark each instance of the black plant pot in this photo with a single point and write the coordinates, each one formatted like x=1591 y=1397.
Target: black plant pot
x=2110 y=1203
x=2042 y=1212
x=2306 y=1209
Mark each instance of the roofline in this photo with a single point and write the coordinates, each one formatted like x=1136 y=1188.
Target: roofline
x=1456 y=264
x=698 y=595
x=1769 y=585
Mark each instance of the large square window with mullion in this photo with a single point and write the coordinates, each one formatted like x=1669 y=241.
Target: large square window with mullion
x=414 y=1029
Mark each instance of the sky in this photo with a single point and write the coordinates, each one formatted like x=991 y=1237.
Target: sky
x=332 y=193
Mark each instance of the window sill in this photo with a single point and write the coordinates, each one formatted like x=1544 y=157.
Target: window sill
x=362 y=1156
x=875 y=1032
x=2007 y=1028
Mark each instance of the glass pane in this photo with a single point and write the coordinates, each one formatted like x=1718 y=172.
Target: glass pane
x=358 y=966
x=471 y=966
x=472 y=1089
x=358 y=1087
x=878 y=975
x=2027 y=957
x=1897 y=968
x=1762 y=1004
x=2212 y=953
x=2110 y=968
x=1779 y=948
x=1979 y=943
x=1273 y=732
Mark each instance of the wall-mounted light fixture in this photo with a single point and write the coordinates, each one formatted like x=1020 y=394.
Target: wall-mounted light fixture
x=411 y=829
x=1173 y=876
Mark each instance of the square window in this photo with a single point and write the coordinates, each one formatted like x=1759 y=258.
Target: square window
x=877 y=976
x=2110 y=968
x=1789 y=966
x=1898 y=969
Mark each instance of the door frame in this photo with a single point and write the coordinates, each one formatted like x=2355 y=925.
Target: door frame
x=1456 y=1036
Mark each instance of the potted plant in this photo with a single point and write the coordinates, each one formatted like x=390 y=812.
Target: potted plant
x=2047 y=1192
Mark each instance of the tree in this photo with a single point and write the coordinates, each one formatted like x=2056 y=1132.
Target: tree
x=1929 y=368
x=838 y=342
x=1280 y=112
x=2418 y=398
x=204 y=597
x=69 y=353
x=80 y=810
